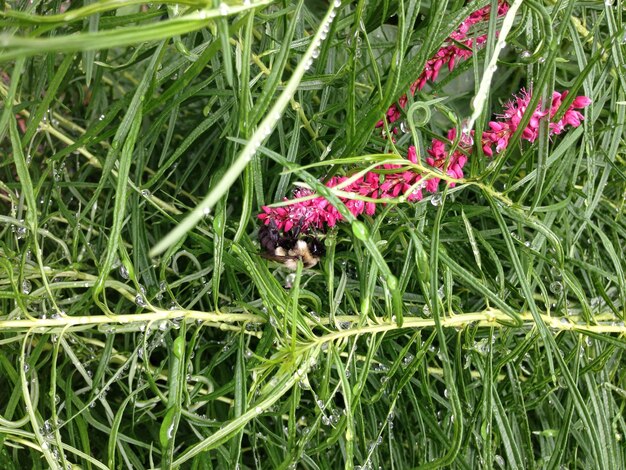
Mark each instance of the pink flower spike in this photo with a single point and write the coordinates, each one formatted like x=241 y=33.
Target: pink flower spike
x=318 y=214
x=509 y=121
x=449 y=54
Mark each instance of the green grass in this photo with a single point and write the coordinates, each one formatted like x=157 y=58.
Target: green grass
x=482 y=327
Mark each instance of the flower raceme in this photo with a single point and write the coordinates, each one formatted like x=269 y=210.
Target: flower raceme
x=507 y=123
x=393 y=180
x=456 y=48
x=383 y=183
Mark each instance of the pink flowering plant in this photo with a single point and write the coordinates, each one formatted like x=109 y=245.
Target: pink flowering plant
x=411 y=183
x=321 y=234
x=508 y=122
x=458 y=47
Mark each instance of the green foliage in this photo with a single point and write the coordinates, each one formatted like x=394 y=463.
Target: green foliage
x=478 y=328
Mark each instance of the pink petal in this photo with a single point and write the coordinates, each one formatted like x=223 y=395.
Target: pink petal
x=581 y=102
x=412 y=154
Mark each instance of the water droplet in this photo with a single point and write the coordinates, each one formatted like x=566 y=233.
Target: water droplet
x=345 y=325
x=406 y=360
x=556 y=287
x=123 y=272
x=146 y=193
x=224 y=9
x=436 y=199
x=140 y=301
x=170 y=430
x=26 y=286
x=337 y=3
x=46 y=428
x=21 y=232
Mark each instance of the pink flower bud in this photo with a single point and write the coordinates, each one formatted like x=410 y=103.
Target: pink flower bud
x=581 y=102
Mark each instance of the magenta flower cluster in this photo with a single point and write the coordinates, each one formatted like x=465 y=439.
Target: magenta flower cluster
x=450 y=54
x=385 y=183
x=508 y=122
x=377 y=185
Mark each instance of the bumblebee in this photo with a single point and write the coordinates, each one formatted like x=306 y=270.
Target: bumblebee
x=289 y=247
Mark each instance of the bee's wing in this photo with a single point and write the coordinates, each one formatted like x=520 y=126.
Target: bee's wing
x=278 y=258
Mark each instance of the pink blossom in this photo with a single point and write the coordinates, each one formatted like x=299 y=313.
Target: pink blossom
x=318 y=213
x=405 y=180
x=451 y=164
x=450 y=55
x=508 y=122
